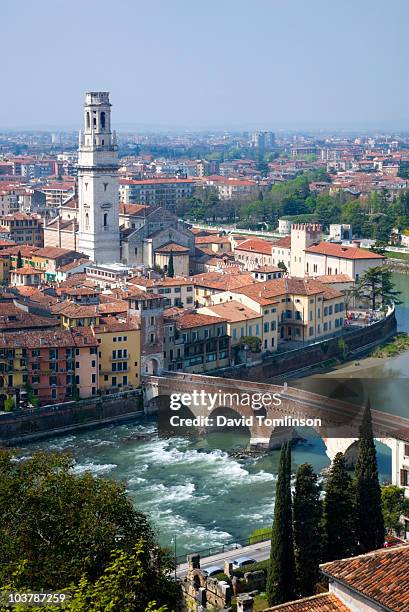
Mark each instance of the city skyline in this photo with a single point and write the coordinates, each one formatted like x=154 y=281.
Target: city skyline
x=191 y=67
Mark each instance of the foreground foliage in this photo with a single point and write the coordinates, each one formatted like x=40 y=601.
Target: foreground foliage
x=62 y=530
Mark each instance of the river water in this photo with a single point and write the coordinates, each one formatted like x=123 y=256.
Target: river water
x=192 y=488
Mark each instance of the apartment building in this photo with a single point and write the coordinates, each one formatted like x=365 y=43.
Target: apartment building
x=24 y=228
x=327 y=258
x=164 y=192
x=205 y=340
x=254 y=252
x=303 y=310
x=176 y=291
x=281 y=252
x=241 y=321
x=119 y=353
x=56 y=365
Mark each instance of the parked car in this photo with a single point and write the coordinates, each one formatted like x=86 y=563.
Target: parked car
x=391 y=541
x=212 y=570
x=242 y=562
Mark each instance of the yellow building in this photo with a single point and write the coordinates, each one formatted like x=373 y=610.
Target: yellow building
x=75 y=315
x=241 y=320
x=119 y=352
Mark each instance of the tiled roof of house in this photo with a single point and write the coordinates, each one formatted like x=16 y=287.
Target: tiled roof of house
x=133 y=209
x=334 y=278
x=51 y=252
x=255 y=245
x=172 y=247
x=111 y=324
x=187 y=320
x=284 y=243
x=27 y=271
x=12 y=318
x=211 y=239
x=74 y=311
x=380 y=575
x=223 y=281
x=233 y=311
x=73 y=264
x=333 y=249
x=324 y=602
x=264 y=292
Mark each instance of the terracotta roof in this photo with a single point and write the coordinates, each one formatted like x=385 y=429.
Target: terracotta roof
x=25 y=250
x=113 y=307
x=73 y=264
x=380 y=575
x=267 y=269
x=132 y=209
x=172 y=247
x=111 y=324
x=52 y=252
x=48 y=338
x=265 y=292
x=212 y=239
x=333 y=249
x=12 y=318
x=223 y=281
x=324 y=602
x=233 y=311
x=284 y=242
x=256 y=245
x=27 y=271
x=186 y=319
x=334 y=278
x=74 y=311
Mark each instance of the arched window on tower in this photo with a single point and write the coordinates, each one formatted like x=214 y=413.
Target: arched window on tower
x=88 y=121
x=103 y=120
x=105 y=219
x=86 y=221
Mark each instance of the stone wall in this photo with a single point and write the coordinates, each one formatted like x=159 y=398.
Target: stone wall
x=36 y=423
x=313 y=354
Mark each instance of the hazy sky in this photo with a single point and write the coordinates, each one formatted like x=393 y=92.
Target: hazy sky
x=206 y=63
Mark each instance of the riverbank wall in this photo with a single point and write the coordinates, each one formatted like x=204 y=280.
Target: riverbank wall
x=56 y=419
x=355 y=343
x=398 y=265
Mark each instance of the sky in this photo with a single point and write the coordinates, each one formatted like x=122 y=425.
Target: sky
x=209 y=64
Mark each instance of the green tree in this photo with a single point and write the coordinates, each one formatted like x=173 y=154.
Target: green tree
x=281 y=575
x=59 y=528
x=171 y=268
x=128 y=584
x=19 y=263
x=370 y=525
x=394 y=505
x=307 y=516
x=9 y=403
x=339 y=512
x=376 y=286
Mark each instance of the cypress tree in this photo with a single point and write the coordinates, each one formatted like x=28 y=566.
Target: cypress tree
x=19 y=263
x=370 y=523
x=307 y=516
x=339 y=523
x=171 y=267
x=281 y=574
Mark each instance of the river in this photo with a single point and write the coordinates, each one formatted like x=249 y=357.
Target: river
x=192 y=488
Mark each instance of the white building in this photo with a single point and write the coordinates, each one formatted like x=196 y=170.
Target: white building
x=328 y=258
x=340 y=231
x=98 y=182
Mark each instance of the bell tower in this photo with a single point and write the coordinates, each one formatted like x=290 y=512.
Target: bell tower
x=98 y=182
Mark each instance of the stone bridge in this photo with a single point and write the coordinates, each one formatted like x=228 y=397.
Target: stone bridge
x=336 y=422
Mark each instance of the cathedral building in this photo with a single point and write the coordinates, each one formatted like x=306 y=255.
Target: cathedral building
x=92 y=220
